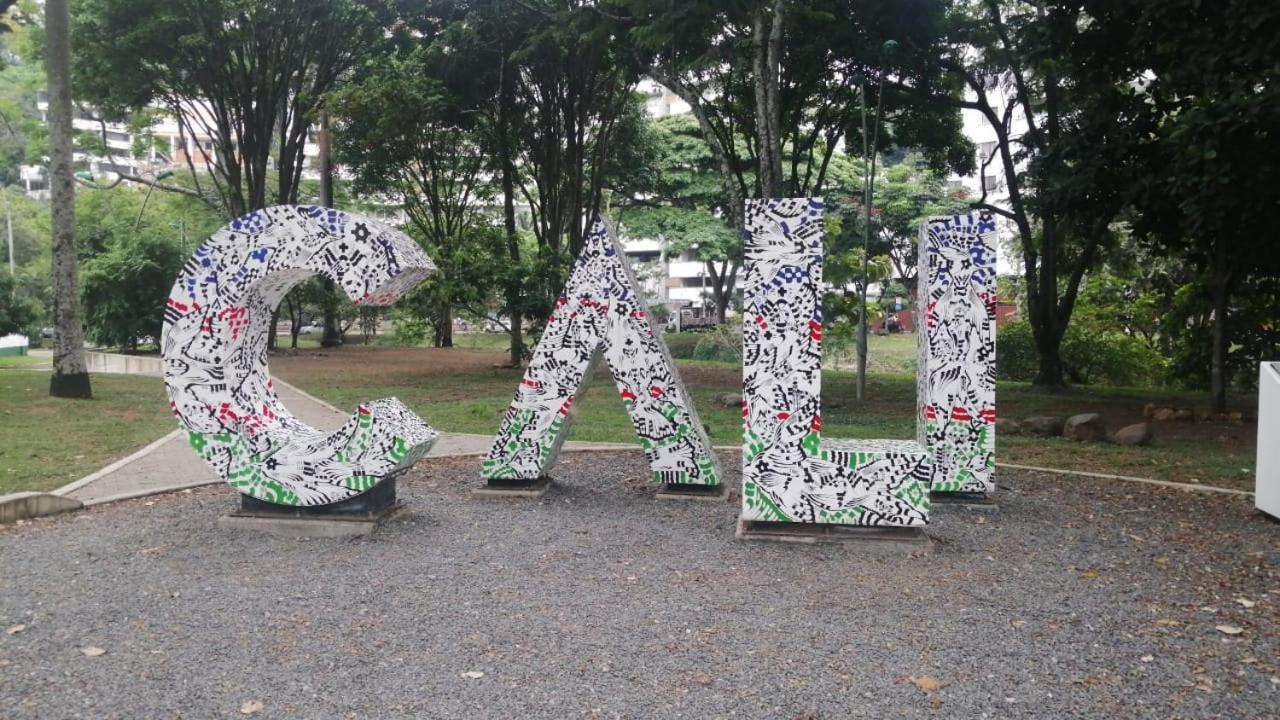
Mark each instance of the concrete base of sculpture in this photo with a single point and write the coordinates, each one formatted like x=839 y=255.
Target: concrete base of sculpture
x=309 y=527
x=965 y=500
x=25 y=505
x=706 y=493
x=354 y=517
x=514 y=488
x=885 y=540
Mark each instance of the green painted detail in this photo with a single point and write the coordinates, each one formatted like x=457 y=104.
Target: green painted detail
x=762 y=504
x=360 y=483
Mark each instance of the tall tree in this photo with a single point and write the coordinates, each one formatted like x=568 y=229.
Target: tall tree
x=404 y=135
x=242 y=78
x=1208 y=83
x=70 y=375
x=776 y=86
x=1063 y=147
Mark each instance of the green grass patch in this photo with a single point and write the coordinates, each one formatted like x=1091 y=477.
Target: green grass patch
x=47 y=442
x=22 y=361
x=473 y=400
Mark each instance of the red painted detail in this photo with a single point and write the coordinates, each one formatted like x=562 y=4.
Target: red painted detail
x=959 y=413
x=745 y=412
x=627 y=394
x=638 y=314
x=784 y=415
x=988 y=416
x=760 y=322
x=815 y=330
x=816 y=425
x=530 y=383
x=656 y=392
x=561 y=301
x=225 y=411
x=930 y=413
x=568 y=403
x=176 y=305
x=363 y=410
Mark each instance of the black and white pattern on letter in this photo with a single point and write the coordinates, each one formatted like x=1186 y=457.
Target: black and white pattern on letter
x=600 y=311
x=214 y=346
x=957 y=377
x=789 y=473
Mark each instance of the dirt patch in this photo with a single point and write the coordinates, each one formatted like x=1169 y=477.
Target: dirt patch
x=382 y=361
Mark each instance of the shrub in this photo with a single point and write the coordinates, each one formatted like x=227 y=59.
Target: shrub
x=723 y=344
x=1090 y=355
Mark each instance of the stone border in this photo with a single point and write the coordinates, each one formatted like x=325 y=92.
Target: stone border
x=147 y=450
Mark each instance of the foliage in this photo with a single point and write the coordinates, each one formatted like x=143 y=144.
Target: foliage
x=722 y=343
x=1091 y=356
x=123 y=288
x=247 y=74
x=21 y=309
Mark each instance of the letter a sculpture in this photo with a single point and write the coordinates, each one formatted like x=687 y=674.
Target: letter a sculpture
x=790 y=474
x=214 y=344
x=600 y=310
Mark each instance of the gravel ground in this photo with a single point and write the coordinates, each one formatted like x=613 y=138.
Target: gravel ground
x=1075 y=599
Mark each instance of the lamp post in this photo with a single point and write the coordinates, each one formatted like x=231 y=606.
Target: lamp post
x=868 y=190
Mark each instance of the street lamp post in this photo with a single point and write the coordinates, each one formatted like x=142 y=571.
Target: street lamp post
x=868 y=190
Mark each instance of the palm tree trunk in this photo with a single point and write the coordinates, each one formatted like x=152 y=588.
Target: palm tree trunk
x=70 y=376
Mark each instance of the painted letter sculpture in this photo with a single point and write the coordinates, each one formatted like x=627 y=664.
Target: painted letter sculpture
x=957 y=374
x=215 y=354
x=789 y=474
x=600 y=310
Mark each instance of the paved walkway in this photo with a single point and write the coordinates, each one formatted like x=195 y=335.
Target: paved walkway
x=170 y=464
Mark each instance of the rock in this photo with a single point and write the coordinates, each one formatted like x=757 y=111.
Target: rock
x=729 y=400
x=1085 y=427
x=1163 y=414
x=1184 y=415
x=1136 y=434
x=1005 y=426
x=1044 y=425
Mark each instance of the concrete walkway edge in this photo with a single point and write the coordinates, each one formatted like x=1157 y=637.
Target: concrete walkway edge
x=108 y=469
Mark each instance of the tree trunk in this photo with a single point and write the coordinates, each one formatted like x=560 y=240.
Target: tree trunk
x=514 y=285
x=331 y=336
x=1049 y=349
x=271 y=331
x=70 y=377
x=442 y=326
x=1221 y=293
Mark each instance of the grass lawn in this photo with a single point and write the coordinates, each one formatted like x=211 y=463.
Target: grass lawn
x=467 y=391
x=48 y=442
x=20 y=361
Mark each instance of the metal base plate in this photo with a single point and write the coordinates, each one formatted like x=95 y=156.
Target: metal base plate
x=514 y=488
x=711 y=493
x=894 y=540
x=966 y=500
x=309 y=526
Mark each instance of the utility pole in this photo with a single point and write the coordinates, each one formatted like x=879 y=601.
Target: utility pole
x=8 y=221
x=868 y=193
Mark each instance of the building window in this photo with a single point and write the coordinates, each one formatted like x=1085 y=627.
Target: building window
x=989 y=182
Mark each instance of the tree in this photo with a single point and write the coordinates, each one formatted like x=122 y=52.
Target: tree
x=403 y=134
x=1066 y=174
x=247 y=74
x=124 y=288
x=1209 y=87
x=70 y=377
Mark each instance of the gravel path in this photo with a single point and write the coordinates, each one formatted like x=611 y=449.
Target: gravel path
x=1077 y=599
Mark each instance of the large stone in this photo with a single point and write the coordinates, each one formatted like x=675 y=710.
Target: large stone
x=1085 y=427
x=1136 y=434
x=1006 y=427
x=1044 y=425
x=729 y=400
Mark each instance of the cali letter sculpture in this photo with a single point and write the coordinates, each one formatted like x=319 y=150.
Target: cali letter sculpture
x=789 y=473
x=214 y=345
x=601 y=311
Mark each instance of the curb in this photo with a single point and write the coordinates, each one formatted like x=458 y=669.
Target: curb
x=1128 y=478
x=27 y=505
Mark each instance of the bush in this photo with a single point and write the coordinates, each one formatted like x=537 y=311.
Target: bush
x=1090 y=355
x=723 y=344
x=682 y=344
x=123 y=289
